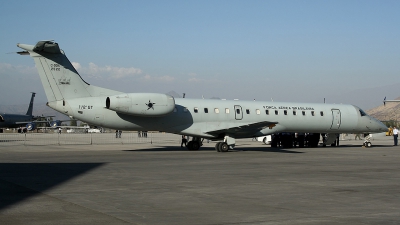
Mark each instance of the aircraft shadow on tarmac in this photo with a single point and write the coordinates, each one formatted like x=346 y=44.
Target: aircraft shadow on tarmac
x=256 y=149
x=20 y=181
x=238 y=149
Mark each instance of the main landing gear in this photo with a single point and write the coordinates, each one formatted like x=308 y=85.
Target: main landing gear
x=228 y=143
x=221 y=147
x=194 y=144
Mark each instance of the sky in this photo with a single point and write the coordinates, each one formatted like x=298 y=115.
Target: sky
x=296 y=51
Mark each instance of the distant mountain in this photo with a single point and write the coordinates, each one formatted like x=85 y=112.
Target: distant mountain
x=390 y=111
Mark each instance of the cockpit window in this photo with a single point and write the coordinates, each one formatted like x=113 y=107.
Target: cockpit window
x=362 y=113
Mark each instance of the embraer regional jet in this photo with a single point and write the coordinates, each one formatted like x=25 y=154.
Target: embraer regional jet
x=212 y=119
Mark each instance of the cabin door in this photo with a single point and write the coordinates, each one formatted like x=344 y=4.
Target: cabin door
x=238 y=112
x=335 y=119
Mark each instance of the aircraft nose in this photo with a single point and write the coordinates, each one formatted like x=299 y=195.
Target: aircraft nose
x=377 y=126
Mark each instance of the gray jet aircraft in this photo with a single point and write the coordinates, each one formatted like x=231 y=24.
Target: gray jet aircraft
x=384 y=101
x=219 y=120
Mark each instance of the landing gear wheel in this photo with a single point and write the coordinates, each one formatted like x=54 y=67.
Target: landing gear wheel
x=195 y=145
x=217 y=146
x=224 y=147
x=367 y=144
x=189 y=145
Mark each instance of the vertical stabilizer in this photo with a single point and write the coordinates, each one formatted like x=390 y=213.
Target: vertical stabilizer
x=59 y=78
x=30 y=108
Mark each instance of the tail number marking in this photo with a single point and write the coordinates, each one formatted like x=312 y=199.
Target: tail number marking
x=85 y=107
x=55 y=67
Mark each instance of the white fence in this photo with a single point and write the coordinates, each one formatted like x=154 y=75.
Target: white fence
x=86 y=138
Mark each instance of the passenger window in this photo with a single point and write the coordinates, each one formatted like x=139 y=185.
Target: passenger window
x=303 y=112
x=285 y=112
x=216 y=110
x=276 y=112
x=258 y=112
x=267 y=112
x=294 y=113
x=227 y=110
x=321 y=113
x=196 y=110
x=247 y=111
x=237 y=111
x=312 y=113
x=205 y=110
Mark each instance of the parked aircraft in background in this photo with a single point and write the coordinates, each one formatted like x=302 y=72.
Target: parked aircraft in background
x=20 y=120
x=220 y=120
x=384 y=101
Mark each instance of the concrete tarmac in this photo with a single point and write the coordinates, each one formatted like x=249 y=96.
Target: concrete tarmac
x=165 y=184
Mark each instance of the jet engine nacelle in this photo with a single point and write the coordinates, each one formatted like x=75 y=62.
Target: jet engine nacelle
x=31 y=126
x=141 y=104
x=55 y=123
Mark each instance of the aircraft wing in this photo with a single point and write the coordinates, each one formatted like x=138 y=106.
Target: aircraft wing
x=42 y=117
x=245 y=128
x=33 y=121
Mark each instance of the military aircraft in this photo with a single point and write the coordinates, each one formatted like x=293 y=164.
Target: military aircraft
x=219 y=120
x=17 y=120
x=384 y=101
x=20 y=120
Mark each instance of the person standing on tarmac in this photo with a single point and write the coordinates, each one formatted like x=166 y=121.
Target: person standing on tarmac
x=395 y=135
x=184 y=141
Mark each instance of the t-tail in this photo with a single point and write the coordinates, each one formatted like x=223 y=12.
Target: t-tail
x=59 y=78
x=30 y=108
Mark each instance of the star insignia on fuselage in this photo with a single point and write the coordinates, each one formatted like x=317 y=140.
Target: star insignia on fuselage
x=150 y=105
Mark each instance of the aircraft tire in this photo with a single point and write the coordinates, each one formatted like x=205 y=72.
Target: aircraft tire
x=189 y=145
x=224 y=147
x=217 y=146
x=195 y=145
x=265 y=140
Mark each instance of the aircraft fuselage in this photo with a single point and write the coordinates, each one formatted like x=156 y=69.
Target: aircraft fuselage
x=202 y=117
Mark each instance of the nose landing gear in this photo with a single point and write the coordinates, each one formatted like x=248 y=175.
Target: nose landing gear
x=367 y=141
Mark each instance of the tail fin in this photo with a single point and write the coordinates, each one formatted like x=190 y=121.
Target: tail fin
x=59 y=78
x=30 y=108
